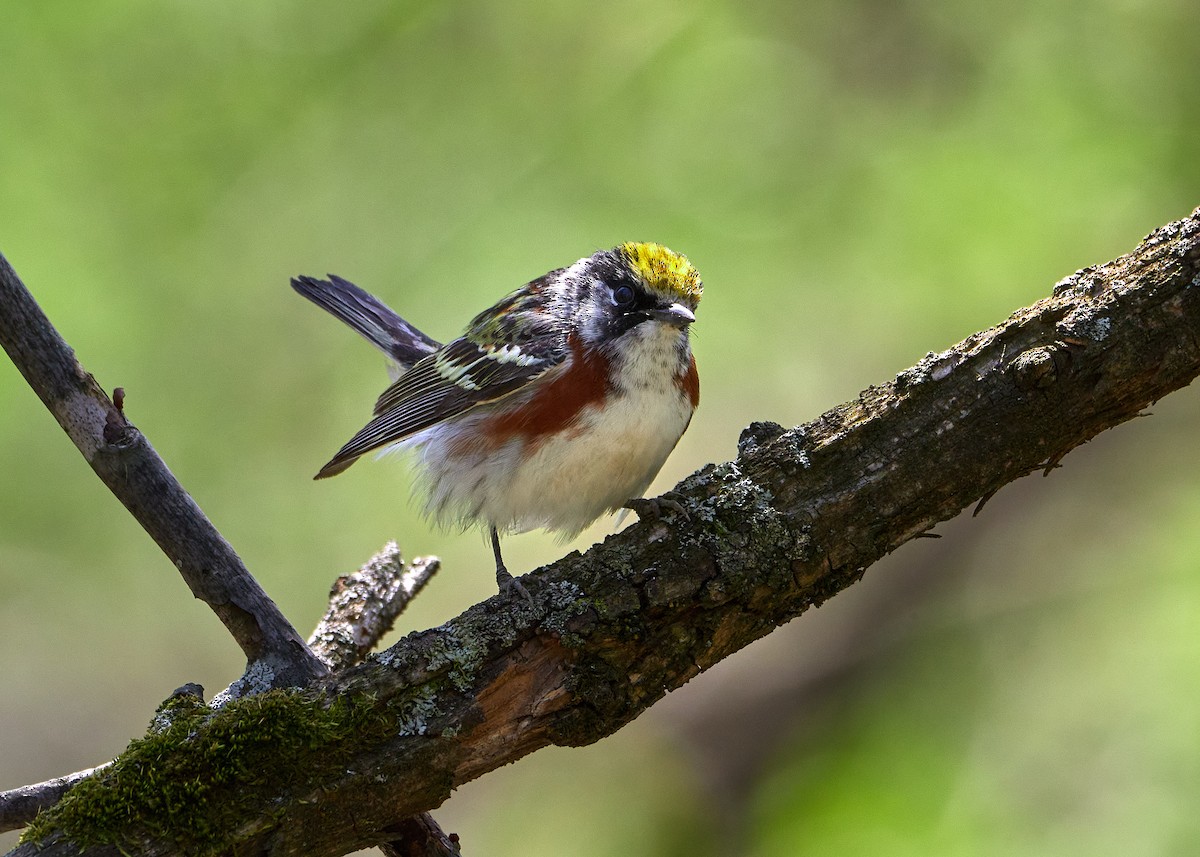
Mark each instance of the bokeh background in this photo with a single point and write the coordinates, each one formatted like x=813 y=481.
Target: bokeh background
x=859 y=183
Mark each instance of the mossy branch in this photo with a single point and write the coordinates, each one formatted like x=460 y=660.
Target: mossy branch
x=796 y=518
x=362 y=608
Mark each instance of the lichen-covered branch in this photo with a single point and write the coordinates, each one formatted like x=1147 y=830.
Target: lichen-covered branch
x=123 y=458
x=797 y=517
x=364 y=605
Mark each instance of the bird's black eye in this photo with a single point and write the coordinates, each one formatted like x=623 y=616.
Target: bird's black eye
x=624 y=297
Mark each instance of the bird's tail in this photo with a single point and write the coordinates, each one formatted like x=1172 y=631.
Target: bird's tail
x=369 y=317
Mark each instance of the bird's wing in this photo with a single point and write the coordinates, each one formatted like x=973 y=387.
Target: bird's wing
x=463 y=374
x=369 y=317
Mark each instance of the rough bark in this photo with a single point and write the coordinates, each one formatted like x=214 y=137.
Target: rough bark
x=797 y=517
x=364 y=605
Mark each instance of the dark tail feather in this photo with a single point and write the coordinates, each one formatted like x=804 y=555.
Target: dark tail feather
x=369 y=316
x=334 y=467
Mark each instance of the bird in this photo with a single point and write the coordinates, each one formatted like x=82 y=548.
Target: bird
x=558 y=404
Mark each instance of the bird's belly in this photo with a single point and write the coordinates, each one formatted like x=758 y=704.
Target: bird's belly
x=562 y=481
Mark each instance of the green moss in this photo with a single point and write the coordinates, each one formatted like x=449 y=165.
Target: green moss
x=194 y=781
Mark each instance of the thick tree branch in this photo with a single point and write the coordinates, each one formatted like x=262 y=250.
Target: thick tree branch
x=797 y=517
x=123 y=458
x=363 y=606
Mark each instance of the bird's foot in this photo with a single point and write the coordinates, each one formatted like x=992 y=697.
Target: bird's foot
x=511 y=586
x=656 y=508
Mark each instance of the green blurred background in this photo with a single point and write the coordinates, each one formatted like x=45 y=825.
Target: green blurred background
x=858 y=183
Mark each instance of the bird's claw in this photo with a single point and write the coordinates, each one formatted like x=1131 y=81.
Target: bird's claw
x=511 y=586
x=656 y=508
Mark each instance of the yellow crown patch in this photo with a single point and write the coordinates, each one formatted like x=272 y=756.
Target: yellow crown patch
x=664 y=270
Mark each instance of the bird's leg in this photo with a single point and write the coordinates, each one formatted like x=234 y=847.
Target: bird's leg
x=507 y=583
x=502 y=575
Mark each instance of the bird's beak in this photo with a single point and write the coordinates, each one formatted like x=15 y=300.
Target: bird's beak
x=676 y=314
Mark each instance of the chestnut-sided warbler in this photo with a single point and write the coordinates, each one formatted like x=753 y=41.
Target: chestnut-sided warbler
x=558 y=404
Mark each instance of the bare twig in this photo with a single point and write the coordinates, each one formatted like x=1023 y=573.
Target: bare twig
x=123 y=458
x=19 y=806
x=364 y=605
x=420 y=836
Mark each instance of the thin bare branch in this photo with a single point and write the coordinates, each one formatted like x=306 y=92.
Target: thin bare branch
x=19 y=806
x=124 y=459
x=420 y=836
